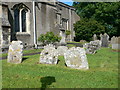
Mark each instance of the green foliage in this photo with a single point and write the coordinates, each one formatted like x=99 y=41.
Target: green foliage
x=106 y=13
x=67 y=32
x=48 y=38
x=42 y=38
x=86 y=28
x=24 y=52
x=71 y=45
x=103 y=73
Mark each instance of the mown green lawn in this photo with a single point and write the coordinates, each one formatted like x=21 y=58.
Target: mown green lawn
x=24 y=52
x=103 y=73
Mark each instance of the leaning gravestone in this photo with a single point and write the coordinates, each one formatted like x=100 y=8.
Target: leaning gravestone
x=92 y=47
x=61 y=50
x=15 y=52
x=76 y=58
x=49 y=55
x=104 y=40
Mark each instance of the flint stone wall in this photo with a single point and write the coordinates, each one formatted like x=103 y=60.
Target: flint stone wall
x=76 y=58
x=15 y=52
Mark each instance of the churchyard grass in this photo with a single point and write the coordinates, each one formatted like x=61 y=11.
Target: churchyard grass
x=103 y=73
x=24 y=52
x=71 y=45
x=78 y=42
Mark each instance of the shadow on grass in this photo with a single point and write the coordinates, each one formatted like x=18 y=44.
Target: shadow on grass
x=58 y=61
x=46 y=81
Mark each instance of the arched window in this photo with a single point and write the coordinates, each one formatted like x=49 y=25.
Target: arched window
x=16 y=20
x=21 y=17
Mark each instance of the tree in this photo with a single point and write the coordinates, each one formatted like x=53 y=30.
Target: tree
x=105 y=13
x=49 y=38
x=86 y=28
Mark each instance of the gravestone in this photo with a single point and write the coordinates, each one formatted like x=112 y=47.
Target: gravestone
x=113 y=40
x=116 y=43
x=92 y=47
x=83 y=41
x=94 y=37
x=104 y=40
x=76 y=58
x=15 y=52
x=62 y=41
x=49 y=55
x=61 y=50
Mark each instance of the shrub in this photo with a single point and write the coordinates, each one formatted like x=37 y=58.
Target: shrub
x=49 y=38
x=67 y=32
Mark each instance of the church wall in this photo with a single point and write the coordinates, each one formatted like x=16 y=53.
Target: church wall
x=5 y=27
x=68 y=12
x=0 y=26
x=46 y=20
x=25 y=37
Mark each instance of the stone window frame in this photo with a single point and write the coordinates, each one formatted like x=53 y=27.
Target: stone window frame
x=65 y=20
x=58 y=17
x=20 y=7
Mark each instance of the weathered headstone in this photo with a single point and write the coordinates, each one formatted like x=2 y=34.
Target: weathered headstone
x=61 y=50
x=49 y=55
x=94 y=37
x=116 y=43
x=113 y=40
x=104 y=40
x=62 y=34
x=76 y=58
x=83 y=41
x=15 y=52
x=92 y=47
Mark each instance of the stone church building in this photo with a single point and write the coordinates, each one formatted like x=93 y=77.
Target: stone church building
x=25 y=21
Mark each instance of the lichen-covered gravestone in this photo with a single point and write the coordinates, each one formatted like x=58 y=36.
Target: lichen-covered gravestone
x=76 y=58
x=15 y=52
x=92 y=47
x=61 y=50
x=49 y=55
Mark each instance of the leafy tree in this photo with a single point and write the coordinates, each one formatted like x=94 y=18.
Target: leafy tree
x=49 y=38
x=86 y=28
x=105 y=13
